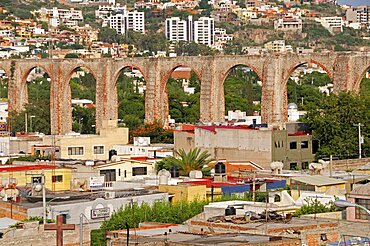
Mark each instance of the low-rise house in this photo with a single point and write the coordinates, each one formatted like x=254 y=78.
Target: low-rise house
x=333 y=24
x=315 y=183
x=124 y=170
x=91 y=146
x=288 y=24
x=56 y=178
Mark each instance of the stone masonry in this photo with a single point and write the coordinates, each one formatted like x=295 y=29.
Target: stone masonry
x=345 y=70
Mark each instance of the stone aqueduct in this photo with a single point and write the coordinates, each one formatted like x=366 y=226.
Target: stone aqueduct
x=344 y=69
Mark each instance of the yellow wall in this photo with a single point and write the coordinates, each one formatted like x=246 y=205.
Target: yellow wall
x=108 y=137
x=25 y=178
x=185 y=192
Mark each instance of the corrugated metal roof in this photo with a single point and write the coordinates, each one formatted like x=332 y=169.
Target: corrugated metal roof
x=318 y=180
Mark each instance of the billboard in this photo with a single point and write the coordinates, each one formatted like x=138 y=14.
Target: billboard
x=96 y=183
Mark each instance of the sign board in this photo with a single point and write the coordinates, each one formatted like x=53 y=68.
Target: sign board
x=100 y=213
x=96 y=182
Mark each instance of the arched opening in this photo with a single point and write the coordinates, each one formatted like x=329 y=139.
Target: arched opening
x=131 y=87
x=83 y=93
x=183 y=90
x=242 y=92
x=3 y=105
x=35 y=116
x=307 y=85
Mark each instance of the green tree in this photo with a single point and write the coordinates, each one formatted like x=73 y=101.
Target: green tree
x=71 y=55
x=195 y=159
x=109 y=35
x=333 y=124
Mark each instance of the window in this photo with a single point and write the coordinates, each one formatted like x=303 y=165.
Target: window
x=139 y=171
x=304 y=145
x=75 y=150
x=361 y=213
x=109 y=174
x=293 y=145
x=293 y=166
x=57 y=178
x=98 y=150
x=305 y=165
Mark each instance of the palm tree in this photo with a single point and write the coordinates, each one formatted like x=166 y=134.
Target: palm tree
x=193 y=160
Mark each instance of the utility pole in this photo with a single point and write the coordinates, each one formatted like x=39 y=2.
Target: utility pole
x=360 y=139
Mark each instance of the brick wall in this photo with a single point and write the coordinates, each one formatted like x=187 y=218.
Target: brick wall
x=12 y=210
x=349 y=164
x=33 y=234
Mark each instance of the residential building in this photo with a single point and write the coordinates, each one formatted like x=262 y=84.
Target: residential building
x=127 y=169
x=56 y=178
x=123 y=20
x=184 y=192
x=201 y=31
x=361 y=196
x=278 y=46
x=89 y=146
x=293 y=145
x=333 y=24
x=56 y=17
x=288 y=24
x=359 y=14
x=314 y=183
x=176 y=29
x=204 y=29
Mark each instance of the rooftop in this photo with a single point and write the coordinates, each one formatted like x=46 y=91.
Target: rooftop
x=318 y=180
x=361 y=190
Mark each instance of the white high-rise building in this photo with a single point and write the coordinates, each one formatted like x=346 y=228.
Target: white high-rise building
x=117 y=22
x=135 y=21
x=201 y=31
x=176 y=29
x=204 y=30
x=124 y=20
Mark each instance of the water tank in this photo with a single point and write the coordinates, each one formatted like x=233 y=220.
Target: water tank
x=230 y=211
x=220 y=168
x=174 y=172
x=196 y=174
x=292 y=106
x=163 y=179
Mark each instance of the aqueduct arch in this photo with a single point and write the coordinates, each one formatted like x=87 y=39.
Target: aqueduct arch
x=346 y=70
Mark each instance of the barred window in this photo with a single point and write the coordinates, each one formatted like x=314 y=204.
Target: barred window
x=75 y=150
x=98 y=150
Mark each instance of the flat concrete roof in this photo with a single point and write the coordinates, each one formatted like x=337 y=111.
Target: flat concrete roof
x=78 y=197
x=318 y=180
